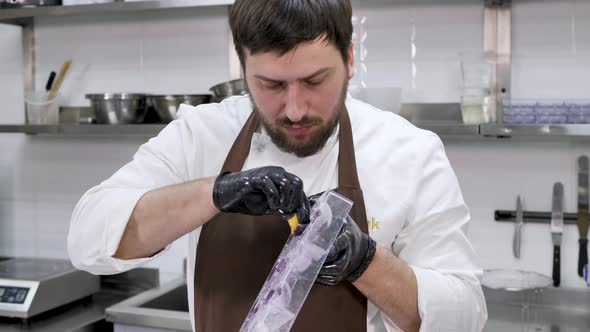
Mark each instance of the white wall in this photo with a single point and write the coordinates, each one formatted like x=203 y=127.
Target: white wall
x=42 y=178
x=183 y=50
x=551 y=46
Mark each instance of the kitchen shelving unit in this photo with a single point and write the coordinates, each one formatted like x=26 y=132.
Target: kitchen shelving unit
x=497 y=38
x=7 y=15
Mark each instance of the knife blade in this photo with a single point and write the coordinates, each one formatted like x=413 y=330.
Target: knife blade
x=518 y=222
x=583 y=214
x=557 y=230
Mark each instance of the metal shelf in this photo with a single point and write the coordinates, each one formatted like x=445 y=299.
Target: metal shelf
x=440 y=128
x=24 y=13
x=444 y=119
x=535 y=131
x=450 y=129
x=151 y=130
x=144 y=130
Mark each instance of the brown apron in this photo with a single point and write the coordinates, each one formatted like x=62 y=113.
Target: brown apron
x=236 y=252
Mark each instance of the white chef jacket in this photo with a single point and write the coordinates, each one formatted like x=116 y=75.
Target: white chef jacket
x=413 y=201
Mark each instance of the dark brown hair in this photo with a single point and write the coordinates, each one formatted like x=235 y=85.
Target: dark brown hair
x=281 y=25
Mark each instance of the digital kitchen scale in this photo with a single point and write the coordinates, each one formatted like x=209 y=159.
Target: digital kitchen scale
x=30 y=286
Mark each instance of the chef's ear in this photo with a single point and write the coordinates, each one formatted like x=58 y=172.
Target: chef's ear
x=350 y=64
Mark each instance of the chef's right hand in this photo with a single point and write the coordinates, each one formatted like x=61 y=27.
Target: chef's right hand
x=260 y=191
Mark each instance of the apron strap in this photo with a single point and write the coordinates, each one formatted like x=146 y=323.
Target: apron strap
x=241 y=148
x=347 y=174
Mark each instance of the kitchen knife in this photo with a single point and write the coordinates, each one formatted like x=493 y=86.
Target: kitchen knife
x=557 y=230
x=518 y=222
x=583 y=216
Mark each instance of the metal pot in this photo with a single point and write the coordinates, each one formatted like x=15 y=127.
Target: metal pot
x=167 y=105
x=227 y=89
x=118 y=108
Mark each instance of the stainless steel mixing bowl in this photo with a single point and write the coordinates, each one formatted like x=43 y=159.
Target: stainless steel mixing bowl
x=227 y=89
x=118 y=108
x=167 y=105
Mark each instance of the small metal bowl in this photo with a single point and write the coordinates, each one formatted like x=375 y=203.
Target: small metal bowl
x=230 y=88
x=118 y=108
x=167 y=105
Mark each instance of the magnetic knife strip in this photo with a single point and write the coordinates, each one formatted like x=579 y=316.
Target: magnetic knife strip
x=534 y=217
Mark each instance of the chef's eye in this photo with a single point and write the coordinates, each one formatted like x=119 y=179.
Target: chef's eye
x=313 y=82
x=273 y=86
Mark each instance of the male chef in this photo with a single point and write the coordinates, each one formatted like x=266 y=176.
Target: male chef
x=231 y=174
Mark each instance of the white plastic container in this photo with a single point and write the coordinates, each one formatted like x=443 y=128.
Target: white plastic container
x=297 y=267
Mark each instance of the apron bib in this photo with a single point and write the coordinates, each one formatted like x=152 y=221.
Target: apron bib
x=236 y=252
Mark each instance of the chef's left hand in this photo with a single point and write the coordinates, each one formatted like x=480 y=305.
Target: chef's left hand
x=349 y=257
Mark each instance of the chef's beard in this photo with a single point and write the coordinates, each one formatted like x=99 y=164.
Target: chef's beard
x=319 y=136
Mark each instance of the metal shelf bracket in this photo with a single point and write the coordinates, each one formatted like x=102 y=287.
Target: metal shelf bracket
x=498 y=39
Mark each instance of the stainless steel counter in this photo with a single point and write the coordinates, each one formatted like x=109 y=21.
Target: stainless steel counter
x=164 y=307
x=516 y=318
x=87 y=314
x=551 y=310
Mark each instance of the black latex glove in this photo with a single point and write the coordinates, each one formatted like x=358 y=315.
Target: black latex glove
x=260 y=191
x=349 y=257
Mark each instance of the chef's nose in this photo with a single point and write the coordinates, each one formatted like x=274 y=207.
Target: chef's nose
x=295 y=105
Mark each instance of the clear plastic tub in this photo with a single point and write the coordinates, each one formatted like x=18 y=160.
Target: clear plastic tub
x=519 y=111
x=477 y=109
x=551 y=112
x=578 y=112
x=476 y=70
x=297 y=267
x=476 y=78
x=41 y=110
x=546 y=111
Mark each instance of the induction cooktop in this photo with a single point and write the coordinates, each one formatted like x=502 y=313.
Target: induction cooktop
x=30 y=286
